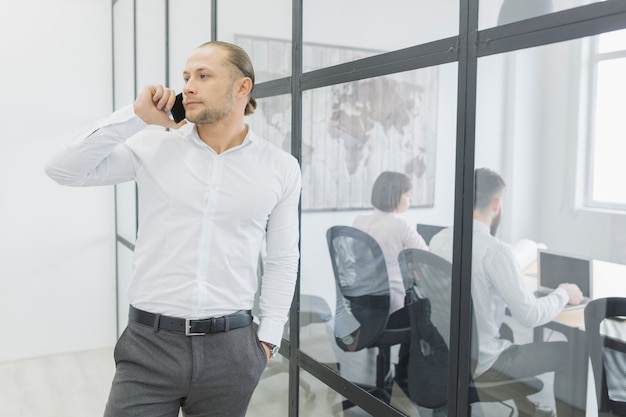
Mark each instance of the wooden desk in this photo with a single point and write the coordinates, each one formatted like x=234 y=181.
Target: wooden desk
x=571 y=323
x=609 y=280
x=574 y=317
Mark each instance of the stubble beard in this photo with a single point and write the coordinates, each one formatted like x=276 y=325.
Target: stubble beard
x=495 y=224
x=214 y=115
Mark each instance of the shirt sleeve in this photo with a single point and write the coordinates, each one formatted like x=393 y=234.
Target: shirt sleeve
x=97 y=155
x=281 y=260
x=525 y=307
x=412 y=239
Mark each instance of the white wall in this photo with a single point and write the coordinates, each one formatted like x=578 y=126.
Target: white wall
x=57 y=259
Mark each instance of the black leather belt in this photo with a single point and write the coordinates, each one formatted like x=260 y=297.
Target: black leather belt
x=192 y=327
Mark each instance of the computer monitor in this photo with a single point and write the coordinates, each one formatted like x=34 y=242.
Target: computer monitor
x=427 y=231
x=555 y=268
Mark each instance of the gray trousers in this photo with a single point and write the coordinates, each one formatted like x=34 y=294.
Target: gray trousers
x=159 y=372
x=519 y=361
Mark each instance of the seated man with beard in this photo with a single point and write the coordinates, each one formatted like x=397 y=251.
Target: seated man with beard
x=497 y=284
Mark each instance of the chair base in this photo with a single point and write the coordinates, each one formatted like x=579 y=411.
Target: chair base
x=382 y=390
x=382 y=394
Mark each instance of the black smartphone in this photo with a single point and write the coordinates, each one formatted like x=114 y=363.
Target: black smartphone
x=178 y=111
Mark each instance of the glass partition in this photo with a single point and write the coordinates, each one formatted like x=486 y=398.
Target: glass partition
x=272 y=120
x=124 y=273
x=339 y=32
x=538 y=119
x=263 y=30
x=123 y=53
x=126 y=211
x=501 y=12
x=126 y=193
x=546 y=122
x=189 y=27
x=353 y=133
x=151 y=42
x=316 y=399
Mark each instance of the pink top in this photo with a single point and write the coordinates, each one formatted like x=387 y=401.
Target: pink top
x=393 y=233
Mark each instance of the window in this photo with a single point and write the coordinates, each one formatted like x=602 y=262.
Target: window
x=607 y=123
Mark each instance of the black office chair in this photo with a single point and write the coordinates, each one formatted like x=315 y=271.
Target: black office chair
x=361 y=280
x=433 y=281
x=607 y=354
x=427 y=231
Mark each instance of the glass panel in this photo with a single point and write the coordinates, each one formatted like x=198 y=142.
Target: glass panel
x=612 y=41
x=531 y=133
x=272 y=120
x=499 y=12
x=344 y=31
x=317 y=399
x=264 y=30
x=124 y=274
x=355 y=132
x=190 y=27
x=123 y=53
x=609 y=144
x=126 y=210
x=270 y=396
x=151 y=41
x=351 y=134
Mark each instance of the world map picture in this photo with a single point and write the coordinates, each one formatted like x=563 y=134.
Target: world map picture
x=351 y=132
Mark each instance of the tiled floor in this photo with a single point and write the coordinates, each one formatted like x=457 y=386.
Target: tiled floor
x=67 y=385
x=77 y=385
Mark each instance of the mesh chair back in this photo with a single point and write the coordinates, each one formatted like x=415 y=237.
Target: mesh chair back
x=433 y=281
x=605 y=331
x=361 y=279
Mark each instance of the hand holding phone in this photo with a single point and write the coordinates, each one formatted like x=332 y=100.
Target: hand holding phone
x=178 y=111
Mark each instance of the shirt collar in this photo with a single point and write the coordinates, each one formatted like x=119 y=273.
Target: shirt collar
x=481 y=227
x=192 y=132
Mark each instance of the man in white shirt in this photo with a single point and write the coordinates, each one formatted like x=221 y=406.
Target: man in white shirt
x=210 y=193
x=497 y=284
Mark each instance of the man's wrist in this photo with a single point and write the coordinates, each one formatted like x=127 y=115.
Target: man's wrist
x=272 y=348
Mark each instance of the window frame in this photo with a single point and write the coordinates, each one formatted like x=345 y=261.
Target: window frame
x=594 y=59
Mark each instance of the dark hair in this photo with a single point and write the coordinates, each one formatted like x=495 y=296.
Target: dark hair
x=388 y=189
x=487 y=185
x=241 y=64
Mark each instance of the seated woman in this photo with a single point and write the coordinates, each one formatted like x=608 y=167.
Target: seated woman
x=391 y=195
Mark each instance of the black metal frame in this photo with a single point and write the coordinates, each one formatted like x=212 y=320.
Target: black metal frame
x=466 y=48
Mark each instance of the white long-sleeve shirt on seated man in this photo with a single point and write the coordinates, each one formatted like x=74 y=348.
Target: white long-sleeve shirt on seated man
x=497 y=284
x=198 y=239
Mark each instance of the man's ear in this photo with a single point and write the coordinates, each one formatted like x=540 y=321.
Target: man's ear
x=496 y=203
x=245 y=86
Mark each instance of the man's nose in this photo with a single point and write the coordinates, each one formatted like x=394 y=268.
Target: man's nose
x=188 y=88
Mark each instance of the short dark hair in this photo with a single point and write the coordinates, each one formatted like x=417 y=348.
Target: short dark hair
x=488 y=184
x=241 y=63
x=388 y=189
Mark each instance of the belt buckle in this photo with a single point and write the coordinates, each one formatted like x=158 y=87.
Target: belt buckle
x=188 y=329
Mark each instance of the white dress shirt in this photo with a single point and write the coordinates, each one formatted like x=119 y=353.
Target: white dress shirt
x=393 y=234
x=203 y=217
x=497 y=284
